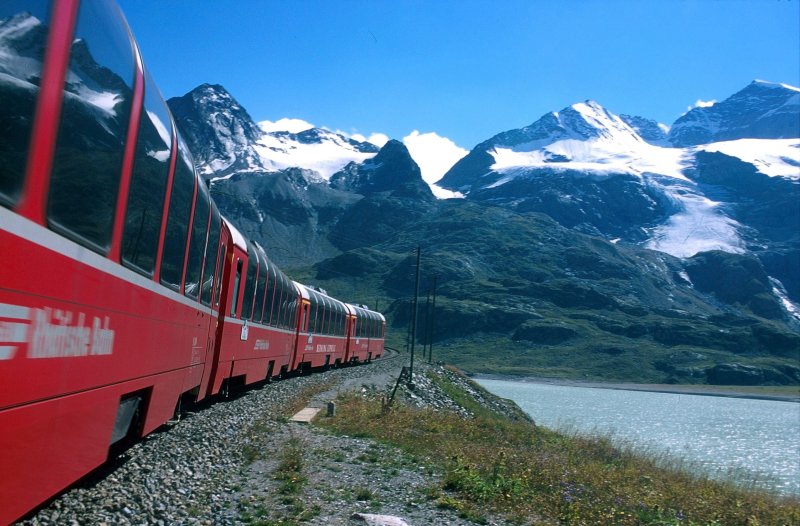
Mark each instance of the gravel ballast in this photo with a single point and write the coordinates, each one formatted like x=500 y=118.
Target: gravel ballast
x=216 y=466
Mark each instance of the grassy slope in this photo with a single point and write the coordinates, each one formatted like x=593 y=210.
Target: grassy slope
x=533 y=475
x=520 y=295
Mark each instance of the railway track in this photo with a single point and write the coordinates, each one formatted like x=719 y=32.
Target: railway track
x=185 y=472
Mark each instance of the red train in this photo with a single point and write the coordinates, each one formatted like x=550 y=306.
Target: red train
x=122 y=289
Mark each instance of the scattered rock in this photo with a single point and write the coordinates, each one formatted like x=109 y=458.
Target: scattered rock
x=379 y=520
x=214 y=467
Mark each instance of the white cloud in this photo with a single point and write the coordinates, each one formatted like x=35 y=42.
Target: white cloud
x=435 y=155
x=378 y=139
x=285 y=124
x=702 y=104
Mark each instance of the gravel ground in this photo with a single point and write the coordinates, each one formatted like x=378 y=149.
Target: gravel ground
x=217 y=465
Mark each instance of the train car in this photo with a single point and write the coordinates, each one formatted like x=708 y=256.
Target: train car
x=109 y=275
x=365 y=334
x=258 y=317
x=321 y=331
x=123 y=291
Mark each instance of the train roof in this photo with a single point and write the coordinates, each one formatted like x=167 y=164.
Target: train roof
x=354 y=309
x=307 y=291
x=238 y=238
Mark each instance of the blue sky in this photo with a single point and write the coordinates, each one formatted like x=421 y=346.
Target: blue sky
x=464 y=69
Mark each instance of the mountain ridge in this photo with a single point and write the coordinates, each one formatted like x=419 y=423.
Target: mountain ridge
x=550 y=252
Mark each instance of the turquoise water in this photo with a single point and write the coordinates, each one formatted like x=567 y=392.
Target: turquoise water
x=751 y=440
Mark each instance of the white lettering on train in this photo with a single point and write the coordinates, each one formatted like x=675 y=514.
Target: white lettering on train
x=321 y=347
x=53 y=333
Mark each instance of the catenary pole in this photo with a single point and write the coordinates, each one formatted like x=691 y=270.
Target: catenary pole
x=414 y=323
x=425 y=330
x=432 y=321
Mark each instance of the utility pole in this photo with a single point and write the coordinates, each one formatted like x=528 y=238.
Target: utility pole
x=414 y=323
x=426 y=330
x=432 y=320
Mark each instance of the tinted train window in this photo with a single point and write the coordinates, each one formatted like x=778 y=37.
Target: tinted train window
x=328 y=316
x=250 y=283
x=270 y=299
x=197 y=243
x=236 y=283
x=262 y=281
x=180 y=208
x=280 y=300
x=93 y=127
x=212 y=251
x=23 y=35
x=285 y=297
x=223 y=248
x=291 y=309
x=148 y=184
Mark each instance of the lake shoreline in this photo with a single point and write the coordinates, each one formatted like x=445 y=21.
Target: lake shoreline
x=688 y=389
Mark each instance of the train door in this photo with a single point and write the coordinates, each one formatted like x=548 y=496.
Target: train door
x=349 y=332
x=302 y=321
x=219 y=291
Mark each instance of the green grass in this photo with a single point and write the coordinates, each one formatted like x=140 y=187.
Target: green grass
x=531 y=474
x=290 y=468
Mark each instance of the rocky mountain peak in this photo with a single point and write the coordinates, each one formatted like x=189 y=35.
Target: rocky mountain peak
x=21 y=35
x=648 y=129
x=391 y=170
x=586 y=121
x=589 y=120
x=762 y=110
x=220 y=132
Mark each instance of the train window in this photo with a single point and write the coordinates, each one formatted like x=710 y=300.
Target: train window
x=180 y=209
x=148 y=184
x=270 y=299
x=288 y=290
x=23 y=35
x=288 y=301
x=321 y=316
x=278 y=309
x=209 y=270
x=260 y=286
x=331 y=325
x=329 y=316
x=312 y=316
x=291 y=309
x=250 y=283
x=220 y=270
x=197 y=242
x=236 y=282
x=93 y=128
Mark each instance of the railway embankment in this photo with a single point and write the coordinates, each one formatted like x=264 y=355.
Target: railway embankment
x=225 y=463
x=443 y=453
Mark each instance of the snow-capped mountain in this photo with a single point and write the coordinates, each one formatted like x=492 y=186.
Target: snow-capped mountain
x=219 y=131
x=578 y=163
x=226 y=140
x=621 y=177
x=648 y=129
x=317 y=149
x=762 y=110
x=22 y=43
x=615 y=176
x=392 y=170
